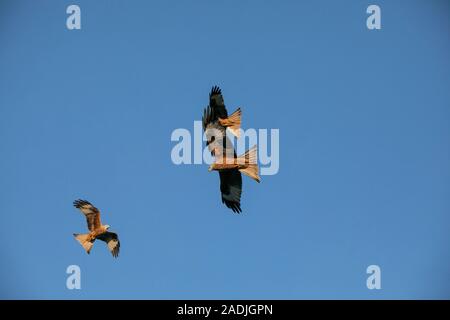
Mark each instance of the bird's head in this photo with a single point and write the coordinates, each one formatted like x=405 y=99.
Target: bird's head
x=211 y=168
x=107 y=226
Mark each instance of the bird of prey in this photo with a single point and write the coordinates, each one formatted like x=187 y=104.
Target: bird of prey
x=96 y=229
x=215 y=123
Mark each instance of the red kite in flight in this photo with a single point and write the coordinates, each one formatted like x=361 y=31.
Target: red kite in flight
x=96 y=229
x=215 y=122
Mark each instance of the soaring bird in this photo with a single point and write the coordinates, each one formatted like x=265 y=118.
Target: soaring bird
x=215 y=122
x=96 y=229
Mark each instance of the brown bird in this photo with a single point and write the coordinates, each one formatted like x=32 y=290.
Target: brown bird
x=96 y=229
x=215 y=123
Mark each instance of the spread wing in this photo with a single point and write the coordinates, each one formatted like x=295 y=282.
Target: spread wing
x=112 y=240
x=217 y=103
x=216 y=108
x=92 y=214
x=231 y=188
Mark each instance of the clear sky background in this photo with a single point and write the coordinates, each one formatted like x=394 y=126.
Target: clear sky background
x=364 y=119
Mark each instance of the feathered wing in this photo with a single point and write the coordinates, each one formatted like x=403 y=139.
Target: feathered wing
x=112 y=240
x=216 y=108
x=92 y=213
x=217 y=103
x=231 y=189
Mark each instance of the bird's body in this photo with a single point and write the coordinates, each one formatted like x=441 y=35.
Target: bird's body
x=96 y=229
x=99 y=231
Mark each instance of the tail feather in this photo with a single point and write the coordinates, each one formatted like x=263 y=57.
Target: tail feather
x=83 y=239
x=233 y=122
x=249 y=164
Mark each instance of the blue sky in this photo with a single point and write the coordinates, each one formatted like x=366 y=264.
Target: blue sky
x=364 y=126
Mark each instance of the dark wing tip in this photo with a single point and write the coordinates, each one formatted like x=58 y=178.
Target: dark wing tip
x=215 y=90
x=206 y=118
x=234 y=206
x=79 y=203
x=115 y=251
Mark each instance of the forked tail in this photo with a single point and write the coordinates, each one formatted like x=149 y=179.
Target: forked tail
x=233 y=122
x=248 y=164
x=84 y=240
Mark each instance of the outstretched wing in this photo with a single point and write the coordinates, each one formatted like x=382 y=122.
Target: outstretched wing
x=216 y=102
x=112 y=240
x=231 y=188
x=216 y=108
x=92 y=214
